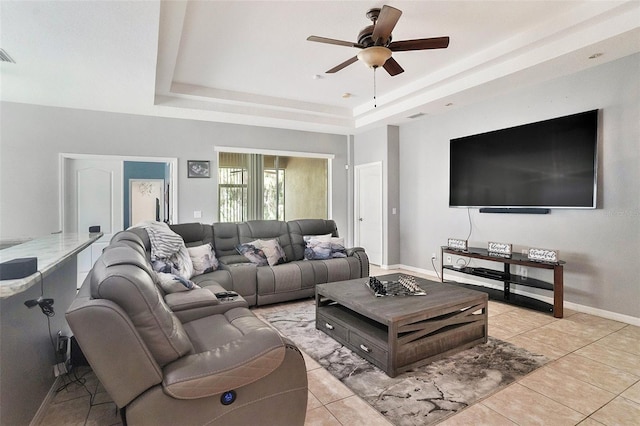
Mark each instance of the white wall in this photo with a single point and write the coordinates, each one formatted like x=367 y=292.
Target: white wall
x=32 y=136
x=601 y=247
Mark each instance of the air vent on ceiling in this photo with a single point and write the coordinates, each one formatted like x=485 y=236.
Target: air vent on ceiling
x=416 y=115
x=4 y=57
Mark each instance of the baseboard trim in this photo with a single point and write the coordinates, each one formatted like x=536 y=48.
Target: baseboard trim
x=390 y=266
x=42 y=410
x=628 y=319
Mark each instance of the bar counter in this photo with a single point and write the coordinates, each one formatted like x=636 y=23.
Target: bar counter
x=51 y=250
x=27 y=354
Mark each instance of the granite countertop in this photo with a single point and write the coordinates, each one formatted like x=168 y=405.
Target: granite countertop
x=51 y=251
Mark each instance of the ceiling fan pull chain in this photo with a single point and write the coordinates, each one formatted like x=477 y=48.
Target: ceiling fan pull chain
x=375 y=101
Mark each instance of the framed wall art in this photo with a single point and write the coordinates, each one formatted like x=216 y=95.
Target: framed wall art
x=198 y=169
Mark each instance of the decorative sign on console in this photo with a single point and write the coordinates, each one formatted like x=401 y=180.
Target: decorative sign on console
x=456 y=244
x=543 y=255
x=499 y=249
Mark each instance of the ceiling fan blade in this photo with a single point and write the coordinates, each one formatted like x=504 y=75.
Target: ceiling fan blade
x=392 y=67
x=342 y=65
x=334 y=41
x=385 y=23
x=419 y=44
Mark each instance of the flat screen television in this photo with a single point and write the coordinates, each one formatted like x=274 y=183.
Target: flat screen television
x=548 y=164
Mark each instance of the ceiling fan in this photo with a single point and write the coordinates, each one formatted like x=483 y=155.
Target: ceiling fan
x=376 y=44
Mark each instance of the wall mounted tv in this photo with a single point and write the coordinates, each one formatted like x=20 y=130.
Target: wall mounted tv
x=548 y=164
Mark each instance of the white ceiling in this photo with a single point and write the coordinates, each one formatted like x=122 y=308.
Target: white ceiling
x=249 y=62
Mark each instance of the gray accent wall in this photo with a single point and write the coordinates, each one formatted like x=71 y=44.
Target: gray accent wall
x=31 y=138
x=601 y=246
x=382 y=144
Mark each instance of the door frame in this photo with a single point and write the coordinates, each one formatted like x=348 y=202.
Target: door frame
x=356 y=207
x=173 y=178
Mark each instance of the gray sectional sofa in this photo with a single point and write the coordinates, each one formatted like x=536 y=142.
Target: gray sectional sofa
x=197 y=357
x=183 y=358
x=261 y=285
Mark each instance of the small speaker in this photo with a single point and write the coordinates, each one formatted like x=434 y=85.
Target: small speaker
x=93 y=229
x=543 y=255
x=456 y=244
x=18 y=268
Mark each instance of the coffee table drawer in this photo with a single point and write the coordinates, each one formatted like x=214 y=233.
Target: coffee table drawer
x=332 y=328
x=367 y=349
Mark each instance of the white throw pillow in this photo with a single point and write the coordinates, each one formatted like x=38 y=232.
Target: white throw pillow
x=203 y=259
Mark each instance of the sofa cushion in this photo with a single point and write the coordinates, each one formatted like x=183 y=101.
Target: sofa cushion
x=123 y=276
x=129 y=238
x=194 y=234
x=266 y=230
x=241 y=351
x=143 y=235
x=225 y=239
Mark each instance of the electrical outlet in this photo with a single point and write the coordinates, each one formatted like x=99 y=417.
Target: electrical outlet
x=60 y=368
x=433 y=256
x=449 y=260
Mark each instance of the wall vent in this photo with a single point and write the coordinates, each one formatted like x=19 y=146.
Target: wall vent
x=416 y=115
x=4 y=57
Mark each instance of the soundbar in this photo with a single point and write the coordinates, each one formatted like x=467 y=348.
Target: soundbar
x=519 y=210
x=18 y=268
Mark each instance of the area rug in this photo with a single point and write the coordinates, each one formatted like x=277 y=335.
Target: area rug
x=422 y=396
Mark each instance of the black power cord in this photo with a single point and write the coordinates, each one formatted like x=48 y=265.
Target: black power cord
x=464 y=264
x=46 y=306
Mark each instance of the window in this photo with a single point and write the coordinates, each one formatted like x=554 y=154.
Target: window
x=258 y=186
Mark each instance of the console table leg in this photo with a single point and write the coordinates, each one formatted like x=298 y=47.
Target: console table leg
x=558 y=292
x=441 y=265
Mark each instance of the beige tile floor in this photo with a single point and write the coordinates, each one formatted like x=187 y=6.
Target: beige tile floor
x=593 y=379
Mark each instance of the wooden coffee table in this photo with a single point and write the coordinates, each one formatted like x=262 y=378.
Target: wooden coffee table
x=397 y=333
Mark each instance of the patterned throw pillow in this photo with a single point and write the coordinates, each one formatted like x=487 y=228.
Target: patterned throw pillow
x=272 y=251
x=319 y=247
x=203 y=259
x=254 y=254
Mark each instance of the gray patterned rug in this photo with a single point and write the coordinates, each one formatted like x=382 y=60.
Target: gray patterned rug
x=422 y=396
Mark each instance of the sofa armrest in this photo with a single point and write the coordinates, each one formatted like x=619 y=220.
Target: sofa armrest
x=193 y=299
x=361 y=255
x=231 y=366
x=201 y=302
x=352 y=251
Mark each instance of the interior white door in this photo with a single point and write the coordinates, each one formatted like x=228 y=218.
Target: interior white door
x=368 y=195
x=92 y=196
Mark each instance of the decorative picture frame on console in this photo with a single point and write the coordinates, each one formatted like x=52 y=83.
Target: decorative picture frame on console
x=543 y=255
x=456 y=244
x=499 y=249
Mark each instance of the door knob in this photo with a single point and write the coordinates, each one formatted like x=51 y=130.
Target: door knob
x=360 y=219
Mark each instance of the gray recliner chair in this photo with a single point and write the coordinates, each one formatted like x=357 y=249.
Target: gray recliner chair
x=223 y=366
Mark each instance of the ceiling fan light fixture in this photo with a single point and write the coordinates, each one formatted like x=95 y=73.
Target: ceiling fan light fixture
x=374 y=56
